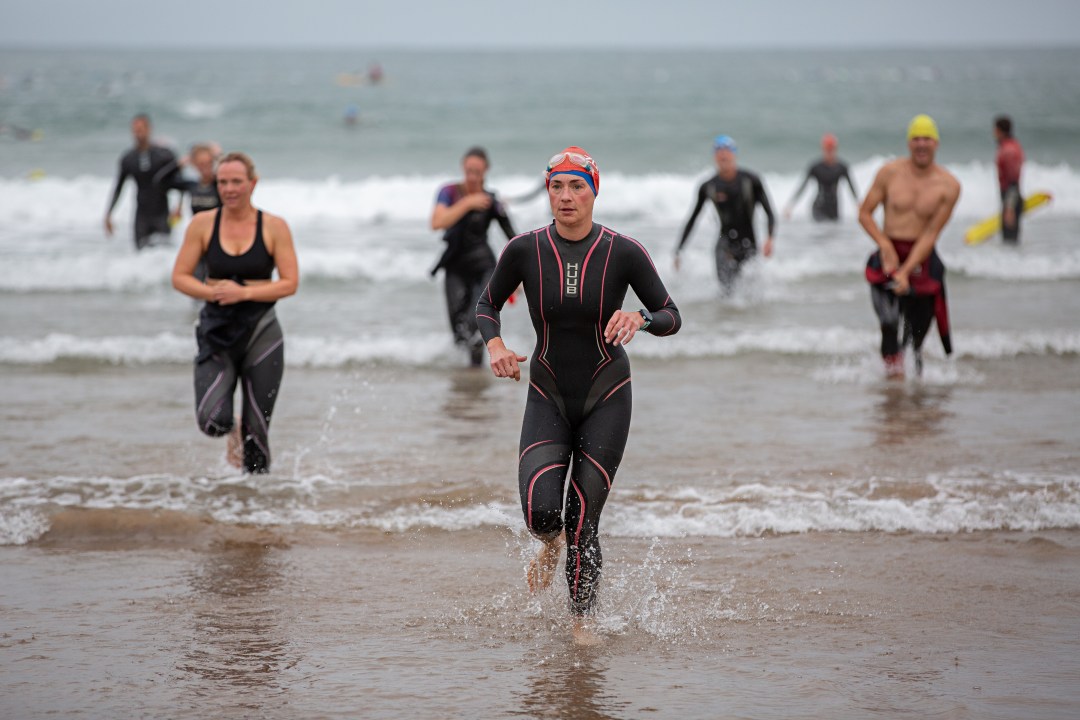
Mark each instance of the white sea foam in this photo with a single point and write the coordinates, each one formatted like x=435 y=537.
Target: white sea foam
x=201 y=109
x=377 y=229
x=957 y=502
x=661 y=197
x=427 y=348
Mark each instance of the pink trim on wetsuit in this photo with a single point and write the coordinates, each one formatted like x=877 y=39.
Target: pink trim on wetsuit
x=533 y=482
x=577 y=536
x=615 y=389
x=542 y=442
x=540 y=292
x=607 y=478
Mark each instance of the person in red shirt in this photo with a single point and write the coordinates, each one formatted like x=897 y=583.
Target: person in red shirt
x=1010 y=160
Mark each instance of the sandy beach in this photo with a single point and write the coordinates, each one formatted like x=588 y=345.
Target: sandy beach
x=132 y=614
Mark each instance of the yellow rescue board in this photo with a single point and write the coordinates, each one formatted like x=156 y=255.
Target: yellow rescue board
x=991 y=226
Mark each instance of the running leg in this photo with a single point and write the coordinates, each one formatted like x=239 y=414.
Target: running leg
x=598 y=449
x=260 y=373
x=215 y=382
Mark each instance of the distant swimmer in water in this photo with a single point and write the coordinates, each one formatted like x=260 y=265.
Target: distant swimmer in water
x=827 y=172
x=577 y=416
x=202 y=191
x=735 y=193
x=465 y=210
x=145 y=163
x=239 y=338
x=1010 y=162
x=352 y=115
x=907 y=278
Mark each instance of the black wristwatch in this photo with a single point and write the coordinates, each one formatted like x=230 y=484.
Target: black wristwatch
x=647 y=317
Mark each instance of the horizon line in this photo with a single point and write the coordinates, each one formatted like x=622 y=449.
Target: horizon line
x=510 y=47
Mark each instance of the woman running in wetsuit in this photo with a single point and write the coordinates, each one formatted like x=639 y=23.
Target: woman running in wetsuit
x=575 y=275
x=238 y=333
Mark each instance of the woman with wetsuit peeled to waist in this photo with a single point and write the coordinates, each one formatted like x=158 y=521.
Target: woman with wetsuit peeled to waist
x=239 y=339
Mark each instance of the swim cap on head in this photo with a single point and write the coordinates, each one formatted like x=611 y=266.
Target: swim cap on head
x=923 y=126
x=725 y=142
x=574 y=161
x=828 y=141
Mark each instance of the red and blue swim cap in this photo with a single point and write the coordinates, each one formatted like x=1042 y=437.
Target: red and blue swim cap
x=574 y=161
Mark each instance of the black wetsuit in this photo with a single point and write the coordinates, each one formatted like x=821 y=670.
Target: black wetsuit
x=828 y=176
x=154 y=172
x=239 y=342
x=203 y=197
x=577 y=415
x=467 y=262
x=735 y=201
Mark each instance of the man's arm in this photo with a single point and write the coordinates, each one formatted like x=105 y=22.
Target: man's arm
x=693 y=217
x=121 y=178
x=876 y=196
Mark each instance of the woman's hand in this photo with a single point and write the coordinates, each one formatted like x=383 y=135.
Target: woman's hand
x=227 y=292
x=504 y=362
x=622 y=327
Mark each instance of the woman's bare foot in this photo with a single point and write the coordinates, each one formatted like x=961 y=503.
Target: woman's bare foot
x=542 y=568
x=584 y=634
x=234 y=448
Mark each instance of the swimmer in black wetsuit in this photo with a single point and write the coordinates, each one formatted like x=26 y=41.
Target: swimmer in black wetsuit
x=238 y=334
x=154 y=169
x=735 y=193
x=465 y=210
x=575 y=275
x=827 y=172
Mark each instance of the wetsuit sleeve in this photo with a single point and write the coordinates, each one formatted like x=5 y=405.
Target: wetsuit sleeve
x=502 y=218
x=121 y=177
x=851 y=184
x=169 y=177
x=701 y=196
x=809 y=174
x=763 y=198
x=504 y=281
x=649 y=288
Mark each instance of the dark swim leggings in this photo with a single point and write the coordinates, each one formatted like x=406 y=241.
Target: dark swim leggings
x=258 y=366
x=731 y=254
x=916 y=312
x=591 y=449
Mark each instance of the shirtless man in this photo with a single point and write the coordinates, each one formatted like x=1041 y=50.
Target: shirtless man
x=907 y=278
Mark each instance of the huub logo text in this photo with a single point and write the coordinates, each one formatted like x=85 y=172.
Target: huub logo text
x=572 y=279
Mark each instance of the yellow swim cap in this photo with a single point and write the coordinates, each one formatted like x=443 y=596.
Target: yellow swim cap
x=922 y=126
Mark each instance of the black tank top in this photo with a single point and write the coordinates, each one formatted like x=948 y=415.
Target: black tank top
x=255 y=264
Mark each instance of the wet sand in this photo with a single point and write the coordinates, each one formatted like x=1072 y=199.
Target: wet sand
x=140 y=614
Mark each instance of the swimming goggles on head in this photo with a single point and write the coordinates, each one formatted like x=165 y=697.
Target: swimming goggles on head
x=582 y=161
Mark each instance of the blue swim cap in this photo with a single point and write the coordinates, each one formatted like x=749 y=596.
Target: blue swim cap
x=725 y=142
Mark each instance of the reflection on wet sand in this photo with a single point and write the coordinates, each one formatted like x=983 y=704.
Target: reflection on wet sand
x=905 y=414
x=466 y=405
x=239 y=639
x=572 y=684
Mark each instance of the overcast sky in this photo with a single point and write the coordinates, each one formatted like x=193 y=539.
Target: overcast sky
x=536 y=23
